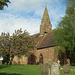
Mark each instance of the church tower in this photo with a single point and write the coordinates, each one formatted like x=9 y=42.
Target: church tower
x=45 y=26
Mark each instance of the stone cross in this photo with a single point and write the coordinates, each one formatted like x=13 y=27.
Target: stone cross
x=58 y=63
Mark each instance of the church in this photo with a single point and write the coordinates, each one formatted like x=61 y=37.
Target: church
x=45 y=47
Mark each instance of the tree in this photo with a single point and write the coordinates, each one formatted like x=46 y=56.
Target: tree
x=3 y=3
x=65 y=32
x=5 y=47
x=20 y=43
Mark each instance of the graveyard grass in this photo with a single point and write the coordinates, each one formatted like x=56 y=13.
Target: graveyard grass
x=24 y=70
x=72 y=67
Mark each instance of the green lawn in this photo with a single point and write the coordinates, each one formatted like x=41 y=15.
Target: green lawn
x=23 y=70
x=72 y=67
x=71 y=73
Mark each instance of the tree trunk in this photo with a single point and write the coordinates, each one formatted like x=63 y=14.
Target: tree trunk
x=65 y=58
x=10 y=62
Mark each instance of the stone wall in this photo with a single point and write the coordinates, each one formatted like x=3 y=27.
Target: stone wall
x=48 y=53
x=0 y=61
x=20 y=60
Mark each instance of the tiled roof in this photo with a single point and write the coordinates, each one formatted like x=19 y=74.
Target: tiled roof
x=47 y=41
x=44 y=41
x=36 y=37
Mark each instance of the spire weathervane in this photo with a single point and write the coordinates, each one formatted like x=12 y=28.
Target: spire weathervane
x=46 y=4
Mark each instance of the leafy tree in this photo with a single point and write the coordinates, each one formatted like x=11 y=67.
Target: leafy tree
x=20 y=43
x=5 y=47
x=65 y=32
x=3 y=3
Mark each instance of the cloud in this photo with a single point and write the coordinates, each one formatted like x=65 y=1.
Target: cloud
x=27 y=14
x=11 y=24
x=28 y=5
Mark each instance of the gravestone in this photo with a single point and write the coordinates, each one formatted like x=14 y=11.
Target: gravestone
x=68 y=61
x=45 y=69
x=50 y=68
x=66 y=68
x=50 y=63
x=55 y=70
x=58 y=63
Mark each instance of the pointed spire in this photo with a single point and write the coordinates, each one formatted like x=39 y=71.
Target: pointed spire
x=45 y=23
x=45 y=19
x=45 y=12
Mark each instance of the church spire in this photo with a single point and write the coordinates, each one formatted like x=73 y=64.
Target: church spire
x=45 y=12
x=45 y=26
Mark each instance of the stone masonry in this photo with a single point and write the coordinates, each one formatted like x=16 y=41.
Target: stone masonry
x=45 y=26
x=48 y=53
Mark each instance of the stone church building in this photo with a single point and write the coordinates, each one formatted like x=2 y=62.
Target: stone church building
x=45 y=47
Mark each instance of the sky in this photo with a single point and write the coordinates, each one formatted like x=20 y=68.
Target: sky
x=1 y=58
x=27 y=14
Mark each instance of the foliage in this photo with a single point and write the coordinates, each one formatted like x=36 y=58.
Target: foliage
x=65 y=32
x=20 y=43
x=3 y=3
x=5 y=47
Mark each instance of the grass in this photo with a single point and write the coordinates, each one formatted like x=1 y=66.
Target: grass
x=72 y=67
x=19 y=70
x=23 y=70
x=71 y=73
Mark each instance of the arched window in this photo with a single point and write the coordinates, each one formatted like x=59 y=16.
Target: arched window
x=41 y=58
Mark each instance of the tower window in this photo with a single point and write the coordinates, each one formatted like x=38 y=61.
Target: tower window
x=45 y=32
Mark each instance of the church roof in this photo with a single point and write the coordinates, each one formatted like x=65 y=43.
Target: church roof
x=36 y=37
x=44 y=41
x=47 y=41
